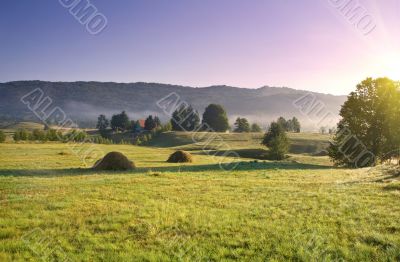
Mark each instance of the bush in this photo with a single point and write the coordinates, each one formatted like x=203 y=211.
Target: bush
x=53 y=135
x=101 y=140
x=114 y=161
x=2 y=137
x=21 y=135
x=75 y=136
x=180 y=157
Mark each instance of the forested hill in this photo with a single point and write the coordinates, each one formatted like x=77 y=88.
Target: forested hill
x=84 y=101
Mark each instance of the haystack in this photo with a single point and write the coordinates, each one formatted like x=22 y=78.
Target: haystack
x=114 y=161
x=180 y=157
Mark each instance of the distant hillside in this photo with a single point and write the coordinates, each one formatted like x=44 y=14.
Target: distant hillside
x=84 y=101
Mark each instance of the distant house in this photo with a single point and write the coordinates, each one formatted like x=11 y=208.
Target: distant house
x=141 y=123
x=139 y=126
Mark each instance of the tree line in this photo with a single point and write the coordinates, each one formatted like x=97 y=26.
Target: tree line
x=121 y=122
x=49 y=135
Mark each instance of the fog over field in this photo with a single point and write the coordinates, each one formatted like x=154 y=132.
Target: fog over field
x=84 y=101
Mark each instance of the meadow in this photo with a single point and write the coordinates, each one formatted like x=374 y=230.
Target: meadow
x=302 y=209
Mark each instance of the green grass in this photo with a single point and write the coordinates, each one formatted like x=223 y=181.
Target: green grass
x=301 y=209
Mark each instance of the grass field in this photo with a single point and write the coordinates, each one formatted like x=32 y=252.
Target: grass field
x=302 y=209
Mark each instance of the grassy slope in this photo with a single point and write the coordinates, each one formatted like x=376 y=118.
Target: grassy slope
x=9 y=129
x=265 y=210
x=300 y=143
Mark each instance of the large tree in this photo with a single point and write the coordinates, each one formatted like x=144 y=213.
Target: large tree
x=277 y=141
x=369 y=128
x=242 y=125
x=215 y=116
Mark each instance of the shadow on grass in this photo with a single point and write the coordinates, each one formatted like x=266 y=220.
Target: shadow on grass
x=242 y=166
x=253 y=153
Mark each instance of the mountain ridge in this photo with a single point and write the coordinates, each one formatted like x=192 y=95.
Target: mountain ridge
x=172 y=85
x=84 y=100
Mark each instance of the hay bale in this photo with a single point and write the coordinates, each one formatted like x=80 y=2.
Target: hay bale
x=114 y=161
x=180 y=157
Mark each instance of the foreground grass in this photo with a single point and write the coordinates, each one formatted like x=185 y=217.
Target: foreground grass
x=53 y=208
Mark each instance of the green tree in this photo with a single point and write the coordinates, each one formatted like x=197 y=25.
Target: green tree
x=215 y=116
x=291 y=125
x=149 y=123
x=295 y=125
x=157 y=121
x=185 y=118
x=277 y=141
x=2 y=137
x=282 y=121
x=242 y=125
x=369 y=128
x=102 y=124
x=120 y=122
x=255 y=128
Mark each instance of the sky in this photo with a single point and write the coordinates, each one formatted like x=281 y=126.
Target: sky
x=307 y=44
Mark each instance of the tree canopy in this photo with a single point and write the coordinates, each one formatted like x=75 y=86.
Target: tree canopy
x=150 y=123
x=185 y=118
x=215 y=116
x=255 y=128
x=120 y=122
x=291 y=125
x=242 y=125
x=370 y=124
x=102 y=124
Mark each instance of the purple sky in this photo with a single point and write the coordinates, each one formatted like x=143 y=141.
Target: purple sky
x=307 y=44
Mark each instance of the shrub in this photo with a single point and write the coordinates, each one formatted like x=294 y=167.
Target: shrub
x=114 y=161
x=2 y=137
x=21 y=134
x=53 y=135
x=38 y=135
x=180 y=157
